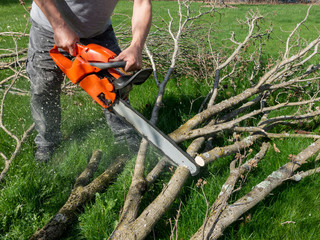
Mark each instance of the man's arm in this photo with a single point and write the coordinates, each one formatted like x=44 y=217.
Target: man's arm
x=141 y=22
x=64 y=36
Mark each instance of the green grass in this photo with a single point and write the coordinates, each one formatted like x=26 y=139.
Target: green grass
x=32 y=192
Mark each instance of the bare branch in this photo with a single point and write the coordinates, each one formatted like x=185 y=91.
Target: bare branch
x=215 y=229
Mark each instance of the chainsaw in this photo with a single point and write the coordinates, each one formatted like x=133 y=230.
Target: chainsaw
x=104 y=81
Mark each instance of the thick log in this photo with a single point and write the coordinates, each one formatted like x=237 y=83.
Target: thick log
x=80 y=195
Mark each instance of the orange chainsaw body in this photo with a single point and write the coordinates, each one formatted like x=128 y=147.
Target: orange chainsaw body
x=79 y=71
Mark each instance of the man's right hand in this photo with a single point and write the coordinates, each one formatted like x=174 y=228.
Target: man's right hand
x=66 y=39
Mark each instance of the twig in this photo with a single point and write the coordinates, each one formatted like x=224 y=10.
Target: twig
x=19 y=34
x=303 y=174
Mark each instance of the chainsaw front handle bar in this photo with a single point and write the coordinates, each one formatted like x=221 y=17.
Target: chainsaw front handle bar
x=103 y=66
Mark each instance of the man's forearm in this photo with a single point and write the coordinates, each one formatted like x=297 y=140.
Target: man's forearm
x=49 y=9
x=64 y=36
x=141 y=22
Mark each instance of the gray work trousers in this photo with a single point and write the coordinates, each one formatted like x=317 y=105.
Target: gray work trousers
x=46 y=79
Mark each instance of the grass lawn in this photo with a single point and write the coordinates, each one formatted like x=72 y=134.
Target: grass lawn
x=32 y=193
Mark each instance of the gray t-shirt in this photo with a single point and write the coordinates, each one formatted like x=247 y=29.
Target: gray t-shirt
x=88 y=18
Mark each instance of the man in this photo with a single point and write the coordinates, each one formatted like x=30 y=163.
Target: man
x=64 y=23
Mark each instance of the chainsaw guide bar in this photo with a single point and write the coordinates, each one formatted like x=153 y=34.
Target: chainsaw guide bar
x=164 y=143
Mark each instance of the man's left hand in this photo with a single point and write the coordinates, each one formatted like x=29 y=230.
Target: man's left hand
x=133 y=58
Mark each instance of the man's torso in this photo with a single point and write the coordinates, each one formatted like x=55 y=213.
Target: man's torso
x=86 y=18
